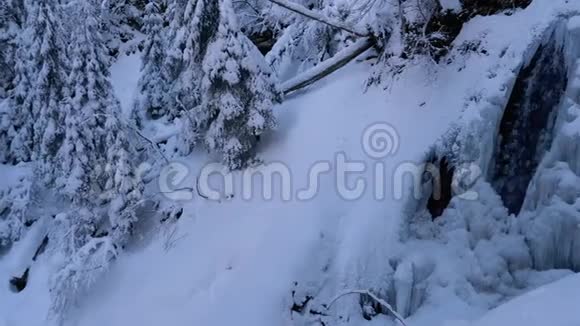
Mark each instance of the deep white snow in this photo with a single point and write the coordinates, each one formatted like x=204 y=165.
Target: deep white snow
x=240 y=261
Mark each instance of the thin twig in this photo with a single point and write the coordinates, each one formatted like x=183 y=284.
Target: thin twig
x=374 y=297
x=247 y=3
x=153 y=144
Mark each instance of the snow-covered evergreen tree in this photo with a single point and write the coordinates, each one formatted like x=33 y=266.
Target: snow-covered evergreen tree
x=95 y=139
x=190 y=36
x=31 y=126
x=95 y=166
x=12 y=16
x=151 y=103
x=173 y=65
x=123 y=187
x=237 y=93
x=15 y=203
x=120 y=22
x=174 y=18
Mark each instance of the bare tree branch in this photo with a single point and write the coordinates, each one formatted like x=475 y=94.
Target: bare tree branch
x=319 y=18
x=374 y=297
x=152 y=143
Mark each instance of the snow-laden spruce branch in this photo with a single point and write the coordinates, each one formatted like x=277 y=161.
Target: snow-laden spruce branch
x=130 y=125
x=328 y=66
x=374 y=297
x=319 y=17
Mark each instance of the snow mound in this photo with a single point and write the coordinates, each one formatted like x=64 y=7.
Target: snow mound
x=554 y=304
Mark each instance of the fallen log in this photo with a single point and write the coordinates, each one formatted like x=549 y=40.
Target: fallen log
x=328 y=66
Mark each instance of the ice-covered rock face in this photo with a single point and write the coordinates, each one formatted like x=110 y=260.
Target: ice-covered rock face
x=550 y=217
x=537 y=170
x=523 y=229
x=527 y=124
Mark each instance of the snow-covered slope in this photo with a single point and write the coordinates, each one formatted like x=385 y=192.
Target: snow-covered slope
x=554 y=304
x=249 y=261
x=244 y=256
x=254 y=261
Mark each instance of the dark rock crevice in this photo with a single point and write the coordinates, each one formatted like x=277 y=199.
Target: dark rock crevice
x=441 y=173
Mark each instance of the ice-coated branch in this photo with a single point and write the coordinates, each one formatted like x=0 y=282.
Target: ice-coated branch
x=328 y=66
x=374 y=297
x=318 y=17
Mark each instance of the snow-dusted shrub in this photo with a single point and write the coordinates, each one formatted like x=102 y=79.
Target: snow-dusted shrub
x=83 y=258
x=15 y=203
